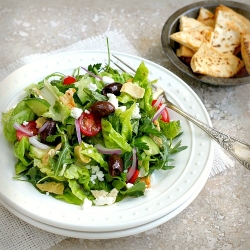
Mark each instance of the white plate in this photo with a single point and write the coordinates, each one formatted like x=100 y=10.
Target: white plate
x=106 y=234
x=170 y=188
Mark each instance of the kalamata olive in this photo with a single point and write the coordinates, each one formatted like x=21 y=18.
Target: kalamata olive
x=50 y=129
x=115 y=165
x=102 y=108
x=112 y=88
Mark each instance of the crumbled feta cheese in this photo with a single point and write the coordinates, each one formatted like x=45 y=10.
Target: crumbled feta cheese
x=95 y=169
x=92 y=86
x=92 y=178
x=100 y=175
x=25 y=123
x=104 y=198
x=107 y=80
x=129 y=185
x=86 y=204
x=136 y=113
x=47 y=193
x=113 y=100
x=86 y=111
x=76 y=112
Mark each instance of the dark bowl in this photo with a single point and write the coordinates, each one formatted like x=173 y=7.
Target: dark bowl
x=172 y=26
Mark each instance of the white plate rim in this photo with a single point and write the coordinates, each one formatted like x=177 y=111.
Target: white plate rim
x=183 y=91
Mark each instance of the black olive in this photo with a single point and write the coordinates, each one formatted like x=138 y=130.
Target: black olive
x=115 y=165
x=49 y=130
x=102 y=108
x=112 y=88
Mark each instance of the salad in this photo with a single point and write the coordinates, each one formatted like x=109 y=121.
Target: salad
x=94 y=137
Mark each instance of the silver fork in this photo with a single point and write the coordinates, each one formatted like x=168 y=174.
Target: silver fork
x=237 y=148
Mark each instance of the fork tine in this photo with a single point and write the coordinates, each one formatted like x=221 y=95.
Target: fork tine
x=118 y=66
x=123 y=63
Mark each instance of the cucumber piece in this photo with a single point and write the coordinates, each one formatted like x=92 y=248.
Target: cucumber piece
x=153 y=147
x=37 y=152
x=38 y=106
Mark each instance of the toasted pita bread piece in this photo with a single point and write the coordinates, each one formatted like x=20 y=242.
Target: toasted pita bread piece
x=192 y=38
x=188 y=23
x=206 y=17
x=226 y=37
x=184 y=51
x=208 y=61
x=240 y=23
x=245 y=50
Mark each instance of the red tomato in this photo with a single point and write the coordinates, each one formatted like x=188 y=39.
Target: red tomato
x=134 y=177
x=89 y=124
x=69 y=80
x=164 y=114
x=31 y=127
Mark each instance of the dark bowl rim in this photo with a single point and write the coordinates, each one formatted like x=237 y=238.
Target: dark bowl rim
x=170 y=53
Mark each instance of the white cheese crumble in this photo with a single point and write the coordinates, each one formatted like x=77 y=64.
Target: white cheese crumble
x=86 y=204
x=76 y=112
x=25 y=123
x=96 y=174
x=104 y=198
x=129 y=185
x=107 y=80
x=113 y=100
x=92 y=86
x=86 y=111
x=136 y=113
x=147 y=191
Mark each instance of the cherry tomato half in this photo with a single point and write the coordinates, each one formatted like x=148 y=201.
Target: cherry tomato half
x=164 y=114
x=69 y=80
x=134 y=177
x=89 y=124
x=31 y=127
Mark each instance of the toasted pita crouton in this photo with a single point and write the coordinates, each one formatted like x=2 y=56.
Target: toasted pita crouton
x=206 y=17
x=192 y=38
x=226 y=37
x=208 y=61
x=188 y=23
x=245 y=50
x=184 y=51
x=240 y=23
x=133 y=90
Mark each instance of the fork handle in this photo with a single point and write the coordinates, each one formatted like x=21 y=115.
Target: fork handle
x=238 y=149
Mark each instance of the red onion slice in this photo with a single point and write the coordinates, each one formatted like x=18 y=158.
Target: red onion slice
x=22 y=129
x=158 y=101
x=78 y=132
x=133 y=167
x=33 y=140
x=159 y=111
x=44 y=126
x=107 y=151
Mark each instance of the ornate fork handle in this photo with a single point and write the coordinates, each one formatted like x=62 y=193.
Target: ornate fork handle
x=238 y=149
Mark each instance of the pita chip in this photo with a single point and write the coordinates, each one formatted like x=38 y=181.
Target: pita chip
x=245 y=50
x=209 y=61
x=206 y=17
x=184 y=51
x=188 y=23
x=192 y=38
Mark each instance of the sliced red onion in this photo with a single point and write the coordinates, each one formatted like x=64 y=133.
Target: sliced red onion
x=44 y=126
x=33 y=140
x=133 y=167
x=158 y=101
x=107 y=151
x=21 y=128
x=78 y=132
x=92 y=74
x=159 y=111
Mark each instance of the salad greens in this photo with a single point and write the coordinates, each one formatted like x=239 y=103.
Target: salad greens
x=58 y=158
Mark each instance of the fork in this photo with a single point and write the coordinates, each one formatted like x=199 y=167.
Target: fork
x=237 y=148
